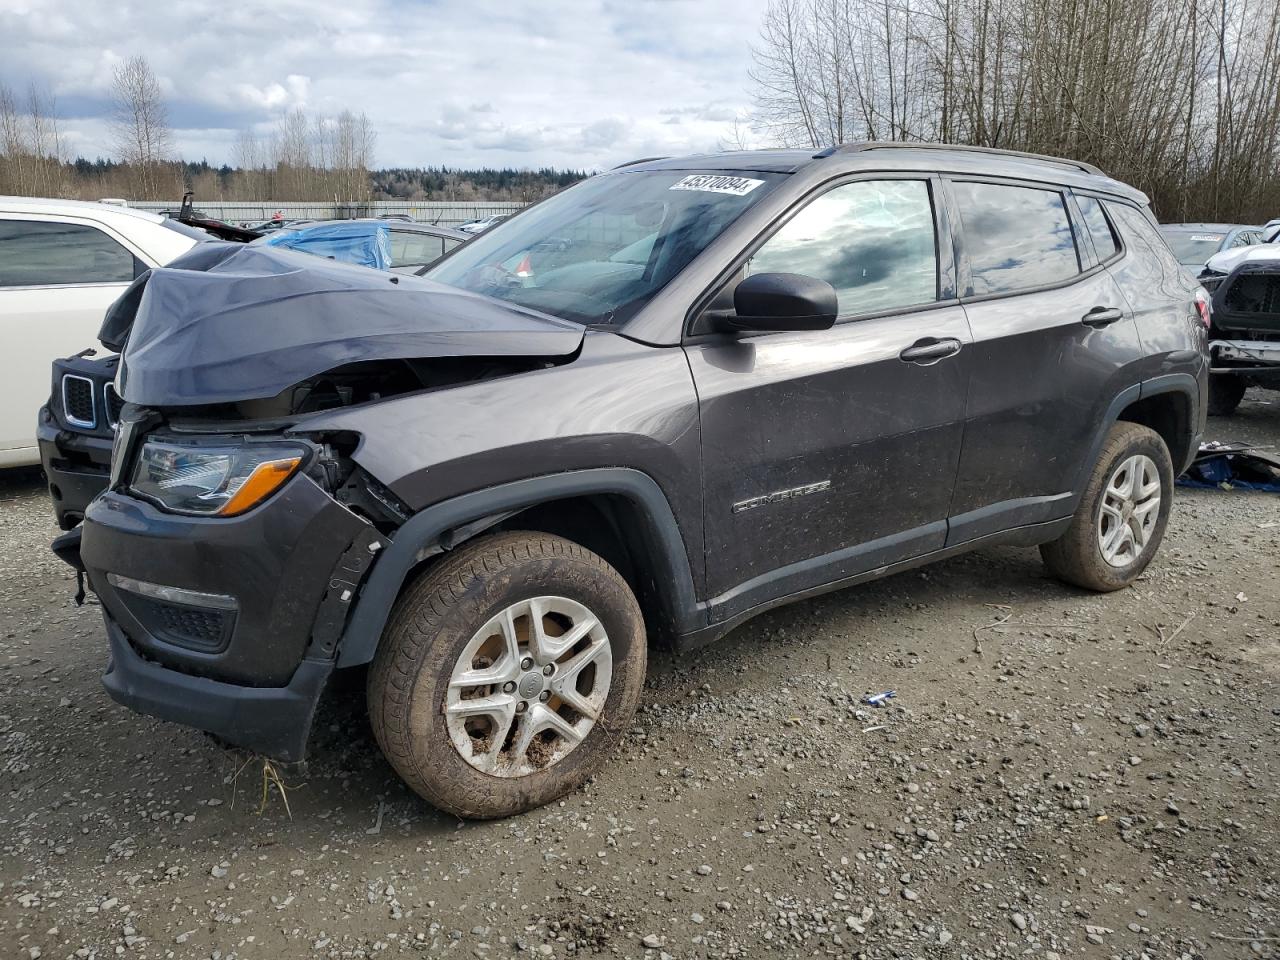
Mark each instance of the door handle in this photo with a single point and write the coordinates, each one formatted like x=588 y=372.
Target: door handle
x=1101 y=316
x=930 y=350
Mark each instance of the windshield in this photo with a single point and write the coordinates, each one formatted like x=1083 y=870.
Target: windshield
x=599 y=251
x=1193 y=248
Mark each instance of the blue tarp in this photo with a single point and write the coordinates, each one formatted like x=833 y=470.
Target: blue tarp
x=1231 y=466
x=355 y=241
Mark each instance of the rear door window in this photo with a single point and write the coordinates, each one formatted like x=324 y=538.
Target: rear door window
x=1016 y=238
x=39 y=253
x=873 y=240
x=412 y=249
x=1105 y=243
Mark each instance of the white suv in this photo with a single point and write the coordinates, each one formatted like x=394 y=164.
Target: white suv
x=62 y=263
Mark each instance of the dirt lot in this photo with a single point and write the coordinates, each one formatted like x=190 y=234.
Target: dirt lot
x=1061 y=774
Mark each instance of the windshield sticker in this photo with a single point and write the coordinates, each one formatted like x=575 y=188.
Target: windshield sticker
x=716 y=183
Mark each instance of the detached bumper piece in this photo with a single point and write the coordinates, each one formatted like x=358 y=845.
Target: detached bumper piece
x=274 y=721
x=1231 y=466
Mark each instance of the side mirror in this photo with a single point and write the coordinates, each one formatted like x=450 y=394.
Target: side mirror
x=782 y=301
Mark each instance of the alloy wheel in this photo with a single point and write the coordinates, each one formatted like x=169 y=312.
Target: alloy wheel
x=528 y=686
x=1129 y=511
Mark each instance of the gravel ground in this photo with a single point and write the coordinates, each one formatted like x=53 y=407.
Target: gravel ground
x=1061 y=775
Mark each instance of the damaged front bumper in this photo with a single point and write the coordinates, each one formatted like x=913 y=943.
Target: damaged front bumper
x=229 y=625
x=273 y=721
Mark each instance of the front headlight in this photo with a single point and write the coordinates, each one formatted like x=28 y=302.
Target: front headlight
x=212 y=480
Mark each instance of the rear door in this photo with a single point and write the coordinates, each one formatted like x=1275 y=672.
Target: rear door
x=828 y=453
x=1054 y=344
x=57 y=278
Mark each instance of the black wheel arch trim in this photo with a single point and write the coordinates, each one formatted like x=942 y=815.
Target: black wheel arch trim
x=1184 y=383
x=421 y=536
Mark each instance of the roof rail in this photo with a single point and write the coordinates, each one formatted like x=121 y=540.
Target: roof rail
x=632 y=163
x=960 y=148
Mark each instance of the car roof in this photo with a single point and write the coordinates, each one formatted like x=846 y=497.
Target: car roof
x=885 y=155
x=413 y=226
x=75 y=208
x=1215 y=227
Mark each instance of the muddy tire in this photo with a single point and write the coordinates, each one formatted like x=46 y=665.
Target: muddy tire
x=1122 y=515
x=506 y=674
x=1226 y=390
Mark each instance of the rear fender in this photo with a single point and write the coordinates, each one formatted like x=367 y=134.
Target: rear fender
x=1183 y=383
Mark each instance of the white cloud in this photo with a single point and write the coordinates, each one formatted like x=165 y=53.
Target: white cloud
x=276 y=97
x=561 y=82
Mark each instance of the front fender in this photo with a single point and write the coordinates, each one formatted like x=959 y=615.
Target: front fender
x=423 y=535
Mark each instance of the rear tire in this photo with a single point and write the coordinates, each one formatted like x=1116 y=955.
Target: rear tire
x=1226 y=390
x=483 y=713
x=1122 y=514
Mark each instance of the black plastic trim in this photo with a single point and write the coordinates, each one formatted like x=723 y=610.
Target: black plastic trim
x=1016 y=536
x=421 y=535
x=274 y=721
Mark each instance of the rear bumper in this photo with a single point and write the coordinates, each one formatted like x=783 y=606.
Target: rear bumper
x=274 y=721
x=76 y=465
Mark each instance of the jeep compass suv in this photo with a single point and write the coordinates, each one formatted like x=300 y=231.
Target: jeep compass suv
x=662 y=401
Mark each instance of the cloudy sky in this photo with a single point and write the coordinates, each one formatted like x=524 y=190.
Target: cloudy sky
x=567 y=83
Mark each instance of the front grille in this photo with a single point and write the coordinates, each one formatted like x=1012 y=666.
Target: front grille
x=195 y=628
x=1257 y=293
x=77 y=401
x=113 y=404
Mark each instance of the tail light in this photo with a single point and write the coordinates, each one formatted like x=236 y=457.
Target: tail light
x=1202 y=306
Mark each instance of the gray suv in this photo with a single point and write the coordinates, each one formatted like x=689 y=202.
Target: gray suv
x=648 y=408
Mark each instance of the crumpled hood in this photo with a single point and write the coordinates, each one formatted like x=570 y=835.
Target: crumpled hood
x=229 y=322
x=1228 y=260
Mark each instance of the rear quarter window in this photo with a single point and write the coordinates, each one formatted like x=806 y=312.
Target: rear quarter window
x=1015 y=238
x=1105 y=243
x=1150 y=258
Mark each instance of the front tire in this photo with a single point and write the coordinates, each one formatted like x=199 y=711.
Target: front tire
x=1122 y=514
x=506 y=674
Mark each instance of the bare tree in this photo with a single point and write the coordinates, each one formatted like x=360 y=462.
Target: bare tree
x=31 y=151
x=140 y=124
x=739 y=137
x=13 y=148
x=1181 y=97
